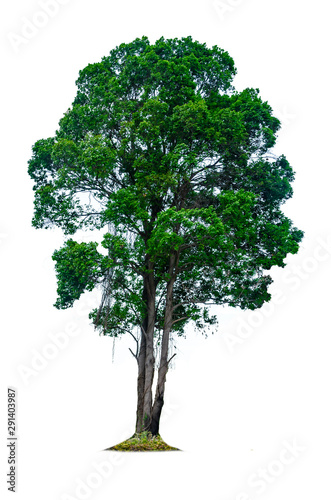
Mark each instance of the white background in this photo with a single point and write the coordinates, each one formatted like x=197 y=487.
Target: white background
x=234 y=401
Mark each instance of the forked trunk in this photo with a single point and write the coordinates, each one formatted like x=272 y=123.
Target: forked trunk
x=141 y=383
x=149 y=413
x=149 y=375
x=146 y=360
x=164 y=362
x=159 y=393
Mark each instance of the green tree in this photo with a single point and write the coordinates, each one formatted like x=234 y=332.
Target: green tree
x=163 y=155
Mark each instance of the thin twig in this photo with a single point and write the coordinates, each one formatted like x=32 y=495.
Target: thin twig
x=133 y=355
x=171 y=358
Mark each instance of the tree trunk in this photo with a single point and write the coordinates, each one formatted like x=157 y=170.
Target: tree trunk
x=159 y=393
x=141 y=380
x=163 y=368
x=149 y=368
x=146 y=359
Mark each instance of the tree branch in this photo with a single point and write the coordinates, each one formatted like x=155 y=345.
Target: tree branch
x=133 y=336
x=134 y=355
x=179 y=319
x=171 y=358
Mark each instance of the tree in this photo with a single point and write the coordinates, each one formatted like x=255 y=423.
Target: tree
x=163 y=155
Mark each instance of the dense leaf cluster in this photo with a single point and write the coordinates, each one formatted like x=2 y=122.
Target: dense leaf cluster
x=159 y=147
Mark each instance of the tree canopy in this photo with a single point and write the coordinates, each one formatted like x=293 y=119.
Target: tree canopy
x=162 y=154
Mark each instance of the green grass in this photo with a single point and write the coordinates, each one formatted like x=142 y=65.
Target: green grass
x=143 y=442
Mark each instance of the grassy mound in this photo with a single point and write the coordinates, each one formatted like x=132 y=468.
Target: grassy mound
x=143 y=442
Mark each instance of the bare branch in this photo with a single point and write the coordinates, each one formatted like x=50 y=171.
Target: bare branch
x=143 y=330
x=133 y=336
x=205 y=167
x=167 y=362
x=171 y=358
x=136 y=358
x=179 y=319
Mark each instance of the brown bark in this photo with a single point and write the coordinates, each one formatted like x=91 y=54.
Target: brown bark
x=141 y=379
x=150 y=359
x=149 y=412
x=163 y=368
x=146 y=360
x=159 y=393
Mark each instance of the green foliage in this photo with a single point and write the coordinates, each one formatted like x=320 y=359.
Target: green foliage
x=160 y=147
x=79 y=267
x=143 y=442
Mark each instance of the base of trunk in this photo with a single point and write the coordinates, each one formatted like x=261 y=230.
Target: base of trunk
x=143 y=442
